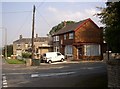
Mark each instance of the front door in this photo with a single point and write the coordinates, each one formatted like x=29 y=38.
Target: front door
x=80 y=53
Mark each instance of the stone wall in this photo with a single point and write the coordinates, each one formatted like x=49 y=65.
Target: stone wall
x=113 y=68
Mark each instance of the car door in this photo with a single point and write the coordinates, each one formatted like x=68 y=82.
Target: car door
x=58 y=56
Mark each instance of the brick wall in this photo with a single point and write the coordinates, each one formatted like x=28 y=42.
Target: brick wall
x=113 y=68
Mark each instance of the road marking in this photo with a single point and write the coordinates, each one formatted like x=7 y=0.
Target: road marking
x=51 y=74
x=34 y=75
x=5 y=86
x=91 y=67
x=4 y=81
x=19 y=73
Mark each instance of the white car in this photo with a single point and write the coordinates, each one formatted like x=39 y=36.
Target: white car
x=50 y=57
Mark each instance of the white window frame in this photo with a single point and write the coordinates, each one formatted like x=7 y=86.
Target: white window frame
x=56 y=49
x=71 y=35
x=92 y=50
x=65 y=37
x=69 y=50
x=56 y=38
x=26 y=45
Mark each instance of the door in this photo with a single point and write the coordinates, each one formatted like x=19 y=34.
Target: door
x=58 y=56
x=80 y=53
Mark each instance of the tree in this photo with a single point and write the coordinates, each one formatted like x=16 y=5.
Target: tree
x=110 y=16
x=9 y=50
x=59 y=26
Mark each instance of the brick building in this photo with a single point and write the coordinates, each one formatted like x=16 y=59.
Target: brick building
x=81 y=40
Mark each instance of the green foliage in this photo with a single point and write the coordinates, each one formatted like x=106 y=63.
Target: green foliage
x=15 y=61
x=26 y=55
x=59 y=26
x=9 y=50
x=111 y=18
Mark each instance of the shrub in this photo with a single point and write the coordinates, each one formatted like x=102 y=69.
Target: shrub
x=26 y=55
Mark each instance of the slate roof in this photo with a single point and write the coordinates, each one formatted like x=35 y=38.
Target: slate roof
x=28 y=40
x=70 y=27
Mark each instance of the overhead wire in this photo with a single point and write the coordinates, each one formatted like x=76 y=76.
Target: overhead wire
x=15 y=12
x=25 y=20
x=44 y=18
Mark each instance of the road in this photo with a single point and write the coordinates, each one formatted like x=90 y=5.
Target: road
x=82 y=74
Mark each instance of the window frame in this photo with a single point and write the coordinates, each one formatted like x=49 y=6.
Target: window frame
x=71 y=35
x=65 y=37
x=92 y=50
x=69 y=50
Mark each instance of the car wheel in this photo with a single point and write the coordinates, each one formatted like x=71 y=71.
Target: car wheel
x=62 y=60
x=49 y=61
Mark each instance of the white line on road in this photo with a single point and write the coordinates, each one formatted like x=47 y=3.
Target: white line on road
x=5 y=86
x=51 y=74
x=5 y=83
x=4 y=80
x=34 y=75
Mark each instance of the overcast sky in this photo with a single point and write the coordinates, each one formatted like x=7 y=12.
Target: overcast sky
x=17 y=16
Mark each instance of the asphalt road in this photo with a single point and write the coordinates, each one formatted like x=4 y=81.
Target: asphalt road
x=82 y=74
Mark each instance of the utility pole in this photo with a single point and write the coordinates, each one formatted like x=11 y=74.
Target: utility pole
x=5 y=43
x=33 y=22
x=5 y=30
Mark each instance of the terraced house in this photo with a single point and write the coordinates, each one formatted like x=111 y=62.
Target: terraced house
x=81 y=41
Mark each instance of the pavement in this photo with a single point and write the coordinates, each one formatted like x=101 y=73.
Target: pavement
x=42 y=65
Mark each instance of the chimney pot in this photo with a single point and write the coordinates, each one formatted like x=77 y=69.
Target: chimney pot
x=20 y=37
x=36 y=35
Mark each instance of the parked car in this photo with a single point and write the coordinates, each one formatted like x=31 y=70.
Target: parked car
x=50 y=57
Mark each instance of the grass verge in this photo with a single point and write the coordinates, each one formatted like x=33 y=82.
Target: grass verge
x=15 y=61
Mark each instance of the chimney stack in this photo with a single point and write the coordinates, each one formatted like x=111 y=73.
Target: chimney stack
x=64 y=23
x=36 y=35
x=20 y=37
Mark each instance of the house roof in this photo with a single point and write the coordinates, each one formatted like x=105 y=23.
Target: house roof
x=28 y=40
x=72 y=27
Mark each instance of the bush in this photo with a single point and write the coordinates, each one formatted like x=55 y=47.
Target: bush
x=15 y=61
x=26 y=55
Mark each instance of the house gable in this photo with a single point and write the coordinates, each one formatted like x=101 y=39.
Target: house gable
x=88 y=32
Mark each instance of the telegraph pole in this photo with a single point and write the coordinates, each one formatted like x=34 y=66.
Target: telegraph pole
x=33 y=22
x=5 y=30
x=5 y=43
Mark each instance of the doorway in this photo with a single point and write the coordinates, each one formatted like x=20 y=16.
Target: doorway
x=80 y=53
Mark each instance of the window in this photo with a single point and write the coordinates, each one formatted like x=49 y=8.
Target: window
x=58 y=54
x=92 y=50
x=19 y=45
x=65 y=37
x=68 y=50
x=70 y=35
x=26 y=45
x=61 y=41
x=56 y=38
x=56 y=49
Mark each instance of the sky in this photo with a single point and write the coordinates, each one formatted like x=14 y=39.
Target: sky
x=17 y=16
